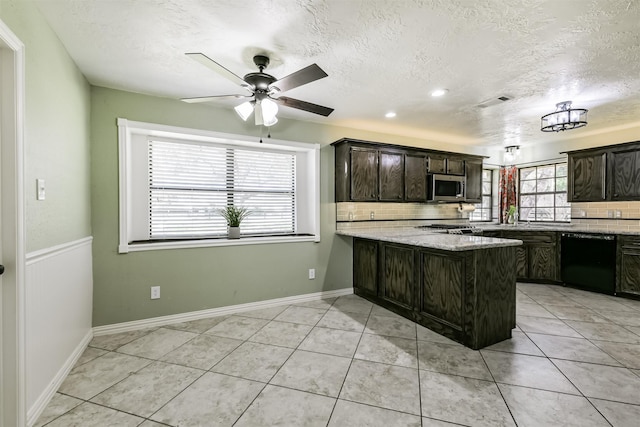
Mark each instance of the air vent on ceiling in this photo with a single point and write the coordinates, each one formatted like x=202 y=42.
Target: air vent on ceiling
x=494 y=101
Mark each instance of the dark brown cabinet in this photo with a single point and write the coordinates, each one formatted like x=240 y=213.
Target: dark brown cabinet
x=367 y=171
x=474 y=182
x=415 y=178
x=605 y=173
x=625 y=174
x=468 y=296
x=397 y=282
x=391 y=175
x=455 y=166
x=587 y=174
x=442 y=287
x=365 y=266
x=628 y=274
x=364 y=174
x=538 y=259
x=437 y=164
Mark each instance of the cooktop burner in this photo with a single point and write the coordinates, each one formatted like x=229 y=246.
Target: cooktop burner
x=454 y=228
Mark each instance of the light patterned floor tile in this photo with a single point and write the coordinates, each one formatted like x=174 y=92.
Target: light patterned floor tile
x=559 y=409
x=313 y=372
x=331 y=341
x=90 y=415
x=213 y=400
x=301 y=409
x=254 y=361
x=390 y=350
x=358 y=415
x=202 y=352
x=157 y=343
x=59 y=405
x=282 y=333
x=237 y=327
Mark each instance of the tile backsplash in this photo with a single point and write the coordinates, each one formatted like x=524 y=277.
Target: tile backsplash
x=614 y=216
x=366 y=214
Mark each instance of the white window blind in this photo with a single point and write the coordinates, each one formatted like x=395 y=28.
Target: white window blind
x=189 y=183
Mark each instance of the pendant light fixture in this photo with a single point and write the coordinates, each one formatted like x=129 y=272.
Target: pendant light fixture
x=511 y=154
x=564 y=118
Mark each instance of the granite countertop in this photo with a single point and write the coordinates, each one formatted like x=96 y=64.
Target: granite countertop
x=573 y=228
x=434 y=239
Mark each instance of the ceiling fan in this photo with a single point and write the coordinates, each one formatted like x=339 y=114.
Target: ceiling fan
x=263 y=88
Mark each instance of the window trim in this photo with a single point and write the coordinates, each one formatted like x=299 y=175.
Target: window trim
x=127 y=129
x=555 y=177
x=482 y=195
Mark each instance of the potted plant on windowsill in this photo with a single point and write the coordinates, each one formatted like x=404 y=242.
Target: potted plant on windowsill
x=234 y=216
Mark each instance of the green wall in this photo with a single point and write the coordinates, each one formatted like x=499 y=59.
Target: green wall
x=56 y=132
x=203 y=278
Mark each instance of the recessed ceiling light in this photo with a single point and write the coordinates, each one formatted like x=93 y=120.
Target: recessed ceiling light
x=390 y=115
x=439 y=92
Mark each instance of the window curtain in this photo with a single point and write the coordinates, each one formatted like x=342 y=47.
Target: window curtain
x=507 y=190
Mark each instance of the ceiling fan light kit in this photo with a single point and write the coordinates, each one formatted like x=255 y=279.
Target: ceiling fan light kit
x=263 y=87
x=564 y=118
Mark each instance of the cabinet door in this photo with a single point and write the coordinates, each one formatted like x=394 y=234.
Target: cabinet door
x=415 y=178
x=630 y=271
x=398 y=278
x=587 y=173
x=522 y=262
x=542 y=262
x=391 y=176
x=437 y=164
x=474 y=182
x=365 y=266
x=364 y=174
x=442 y=287
x=455 y=166
x=625 y=174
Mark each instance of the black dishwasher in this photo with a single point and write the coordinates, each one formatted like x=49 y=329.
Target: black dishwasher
x=588 y=261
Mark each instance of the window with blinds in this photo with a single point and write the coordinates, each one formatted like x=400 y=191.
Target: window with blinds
x=189 y=182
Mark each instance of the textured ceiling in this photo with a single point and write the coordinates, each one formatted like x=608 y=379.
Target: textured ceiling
x=380 y=55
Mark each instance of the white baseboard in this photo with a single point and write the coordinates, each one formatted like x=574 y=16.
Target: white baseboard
x=201 y=314
x=43 y=400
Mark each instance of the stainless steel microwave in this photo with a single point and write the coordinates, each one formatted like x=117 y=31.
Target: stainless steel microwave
x=446 y=188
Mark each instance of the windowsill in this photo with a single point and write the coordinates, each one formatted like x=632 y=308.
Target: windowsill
x=207 y=243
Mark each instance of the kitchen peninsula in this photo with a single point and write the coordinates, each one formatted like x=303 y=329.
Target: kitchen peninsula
x=460 y=286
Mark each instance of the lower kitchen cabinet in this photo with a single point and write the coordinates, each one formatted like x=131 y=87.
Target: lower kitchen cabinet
x=442 y=287
x=397 y=282
x=365 y=267
x=538 y=259
x=628 y=274
x=467 y=296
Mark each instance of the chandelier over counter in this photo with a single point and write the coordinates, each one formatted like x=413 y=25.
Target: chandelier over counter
x=564 y=118
x=511 y=153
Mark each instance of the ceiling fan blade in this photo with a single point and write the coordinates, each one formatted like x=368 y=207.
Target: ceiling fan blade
x=303 y=105
x=210 y=63
x=299 y=78
x=211 y=98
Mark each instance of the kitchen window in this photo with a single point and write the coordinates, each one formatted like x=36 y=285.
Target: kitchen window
x=483 y=210
x=543 y=193
x=173 y=181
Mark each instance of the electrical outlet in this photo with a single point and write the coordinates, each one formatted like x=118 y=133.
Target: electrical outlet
x=372 y=215
x=609 y=214
x=312 y=273
x=155 y=292
x=618 y=214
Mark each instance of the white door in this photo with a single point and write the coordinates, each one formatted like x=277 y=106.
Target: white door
x=12 y=301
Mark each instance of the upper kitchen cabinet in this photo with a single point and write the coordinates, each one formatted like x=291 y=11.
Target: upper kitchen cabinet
x=415 y=177
x=367 y=171
x=436 y=164
x=474 y=181
x=605 y=173
x=625 y=174
x=391 y=175
x=455 y=166
x=445 y=165
x=587 y=173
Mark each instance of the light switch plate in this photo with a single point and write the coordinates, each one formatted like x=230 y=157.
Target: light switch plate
x=40 y=193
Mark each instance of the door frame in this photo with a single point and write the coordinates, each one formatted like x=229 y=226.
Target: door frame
x=12 y=241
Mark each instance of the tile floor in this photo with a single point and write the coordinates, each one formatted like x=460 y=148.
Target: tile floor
x=574 y=360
